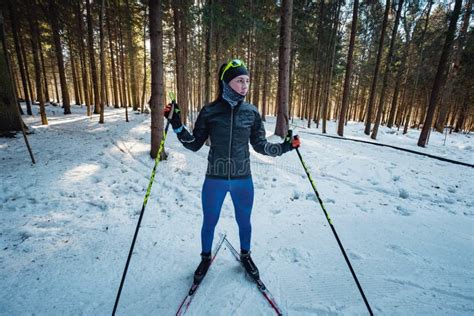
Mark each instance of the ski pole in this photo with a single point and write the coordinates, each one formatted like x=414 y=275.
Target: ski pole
x=334 y=232
x=145 y=201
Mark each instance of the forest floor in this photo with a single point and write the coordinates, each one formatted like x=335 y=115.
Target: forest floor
x=406 y=222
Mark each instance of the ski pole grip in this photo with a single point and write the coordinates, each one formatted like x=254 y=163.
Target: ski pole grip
x=172 y=96
x=170 y=115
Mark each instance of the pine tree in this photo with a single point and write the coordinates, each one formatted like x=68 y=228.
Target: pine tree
x=9 y=115
x=388 y=68
x=156 y=45
x=347 y=78
x=281 y=128
x=53 y=19
x=440 y=74
x=373 y=88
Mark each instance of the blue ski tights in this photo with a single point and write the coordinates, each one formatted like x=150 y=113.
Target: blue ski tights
x=213 y=195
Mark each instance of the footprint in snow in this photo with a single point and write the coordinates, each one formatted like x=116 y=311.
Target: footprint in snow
x=449 y=200
x=403 y=211
x=32 y=200
x=291 y=254
x=452 y=189
x=403 y=194
x=98 y=204
x=398 y=249
x=362 y=208
x=276 y=211
x=354 y=255
x=311 y=197
x=295 y=195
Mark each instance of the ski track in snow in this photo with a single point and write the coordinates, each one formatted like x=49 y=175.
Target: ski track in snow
x=405 y=221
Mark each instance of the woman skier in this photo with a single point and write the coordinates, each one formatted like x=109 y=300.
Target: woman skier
x=230 y=123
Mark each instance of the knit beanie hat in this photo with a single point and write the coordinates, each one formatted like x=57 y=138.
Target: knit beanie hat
x=237 y=68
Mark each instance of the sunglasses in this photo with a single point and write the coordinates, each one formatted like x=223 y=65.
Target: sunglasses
x=232 y=64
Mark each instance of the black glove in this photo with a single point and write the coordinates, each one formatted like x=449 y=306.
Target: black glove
x=175 y=118
x=291 y=142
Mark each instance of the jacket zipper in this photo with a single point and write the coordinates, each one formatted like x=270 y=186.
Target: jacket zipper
x=230 y=138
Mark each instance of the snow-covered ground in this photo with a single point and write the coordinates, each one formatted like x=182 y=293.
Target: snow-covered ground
x=406 y=222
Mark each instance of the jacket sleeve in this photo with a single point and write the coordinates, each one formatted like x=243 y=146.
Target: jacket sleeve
x=200 y=133
x=260 y=143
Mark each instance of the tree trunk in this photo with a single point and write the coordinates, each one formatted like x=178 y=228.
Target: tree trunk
x=463 y=113
x=401 y=71
x=35 y=38
x=453 y=73
x=15 y=81
x=142 y=102
x=132 y=56
x=266 y=79
x=127 y=82
x=122 y=66
x=281 y=128
x=53 y=17
x=45 y=79
x=311 y=101
x=207 y=55
x=108 y=96
x=361 y=114
x=347 y=78
x=440 y=74
x=388 y=66
x=320 y=63
x=256 y=82
x=376 y=71
x=55 y=81
x=410 y=104
x=112 y=60
x=102 y=61
x=75 y=81
x=156 y=56
x=82 y=56
x=292 y=81
x=90 y=37
x=9 y=116
x=181 y=54
x=27 y=71
x=326 y=102
x=407 y=119
x=21 y=61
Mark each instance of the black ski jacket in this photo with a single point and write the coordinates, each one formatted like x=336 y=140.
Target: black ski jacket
x=230 y=130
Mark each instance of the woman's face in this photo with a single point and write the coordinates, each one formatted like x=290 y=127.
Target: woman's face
x=240 y=84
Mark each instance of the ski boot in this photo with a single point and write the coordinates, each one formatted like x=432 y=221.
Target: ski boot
x=201 y=270
x=249 y=265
